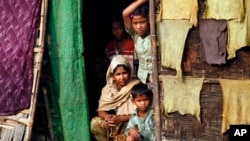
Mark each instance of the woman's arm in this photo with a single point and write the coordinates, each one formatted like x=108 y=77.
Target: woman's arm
x=112 y=119
x=129 y=10
x=102 y=114
x=122 y=118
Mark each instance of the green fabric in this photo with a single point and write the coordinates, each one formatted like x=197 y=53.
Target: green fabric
x=68 y=88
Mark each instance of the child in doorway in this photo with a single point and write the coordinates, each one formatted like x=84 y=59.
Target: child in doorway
x=122 y=43
x=136 y=21
x=141 y=123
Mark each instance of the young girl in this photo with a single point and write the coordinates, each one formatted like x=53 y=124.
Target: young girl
x=141 y=123
x=135 y=18
x=122 y=43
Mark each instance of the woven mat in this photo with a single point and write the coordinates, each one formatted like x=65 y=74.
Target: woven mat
x=19 y=20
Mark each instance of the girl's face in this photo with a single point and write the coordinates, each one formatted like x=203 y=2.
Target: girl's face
x=140 y=25
x=121 y=76
x=117 y=30
x=142 y=102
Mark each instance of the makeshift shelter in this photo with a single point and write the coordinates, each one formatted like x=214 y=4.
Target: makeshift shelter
x=71 y=99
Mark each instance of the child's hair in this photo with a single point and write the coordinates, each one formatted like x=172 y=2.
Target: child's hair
x=142 y=10
x=117 y=19
x=141 y=89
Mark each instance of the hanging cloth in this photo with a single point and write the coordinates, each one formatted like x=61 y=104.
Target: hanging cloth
x=179 y=10
x=18 y=23
x=236 y=106
x=183 y=97
x=213 y=35
x=239 y=33
x=227 y=10
x=172 y=37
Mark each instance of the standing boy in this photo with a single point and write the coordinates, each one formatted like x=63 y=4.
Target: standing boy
x=136 y=21
x=141 y=123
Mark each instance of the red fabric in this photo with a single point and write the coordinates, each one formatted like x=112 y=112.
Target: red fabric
x=18 y=22
x=128 y=50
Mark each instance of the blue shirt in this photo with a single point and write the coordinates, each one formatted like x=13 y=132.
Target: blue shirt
x=145 y=125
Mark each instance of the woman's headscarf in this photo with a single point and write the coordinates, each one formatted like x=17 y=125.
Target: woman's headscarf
x=111 y=97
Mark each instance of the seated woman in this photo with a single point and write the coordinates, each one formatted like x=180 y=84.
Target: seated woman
x=115 y=106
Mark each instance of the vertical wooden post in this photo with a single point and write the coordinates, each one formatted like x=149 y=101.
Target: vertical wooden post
x=157 y=113
x=38 y=50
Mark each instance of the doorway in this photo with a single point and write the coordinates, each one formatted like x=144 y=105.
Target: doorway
x=97 y=16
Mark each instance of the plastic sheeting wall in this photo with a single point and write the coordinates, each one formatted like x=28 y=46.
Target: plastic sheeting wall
x=68 y=88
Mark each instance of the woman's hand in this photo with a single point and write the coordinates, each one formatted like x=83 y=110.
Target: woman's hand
x=112 y=120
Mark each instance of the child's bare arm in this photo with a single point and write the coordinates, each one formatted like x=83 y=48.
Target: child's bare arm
x=134 y=132
x=129 y=10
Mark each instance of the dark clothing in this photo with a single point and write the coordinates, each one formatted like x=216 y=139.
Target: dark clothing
x=213 y=34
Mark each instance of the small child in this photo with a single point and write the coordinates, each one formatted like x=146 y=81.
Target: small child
x=141 y=123
x=122 y=43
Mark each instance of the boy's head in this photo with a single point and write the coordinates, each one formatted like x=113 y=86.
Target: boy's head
x=118 y=29
x=142 y=96
x=140 y=20
x=142 y=10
